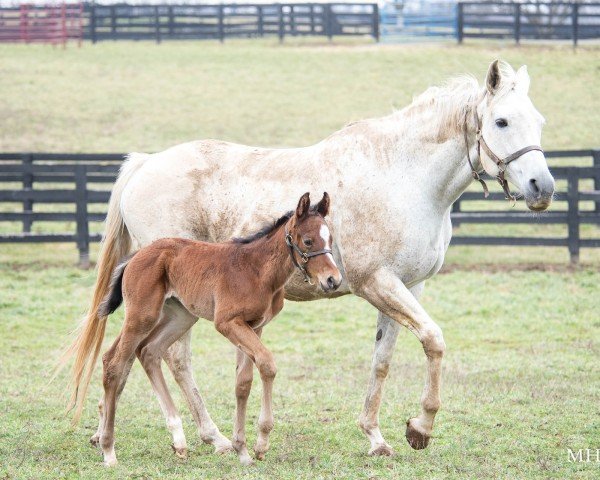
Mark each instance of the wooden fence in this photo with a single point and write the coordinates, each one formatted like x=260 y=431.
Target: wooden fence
x=78 y=188
x=182 y=22
x=528 y=20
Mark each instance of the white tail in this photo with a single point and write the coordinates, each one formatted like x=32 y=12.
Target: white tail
x=115 y=245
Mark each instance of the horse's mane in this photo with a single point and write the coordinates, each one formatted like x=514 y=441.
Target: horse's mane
x=270 y=228
x=266 y=230
x=453 y=101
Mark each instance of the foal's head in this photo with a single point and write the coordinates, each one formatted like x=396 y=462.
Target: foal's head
x=310 y=242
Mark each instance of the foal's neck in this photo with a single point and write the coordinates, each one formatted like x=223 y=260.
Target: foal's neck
x=273 y=257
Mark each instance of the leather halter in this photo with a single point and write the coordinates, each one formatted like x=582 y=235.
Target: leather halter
x=501 y=163
x=304 y=256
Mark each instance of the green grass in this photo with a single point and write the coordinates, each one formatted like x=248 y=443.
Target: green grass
x=520 y=385
x=121 y=97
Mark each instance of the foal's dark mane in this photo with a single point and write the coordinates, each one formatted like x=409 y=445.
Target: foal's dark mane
x=266 y=230
x=270 y=228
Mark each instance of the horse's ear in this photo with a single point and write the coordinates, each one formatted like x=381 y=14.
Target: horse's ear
x=493 y=77
x=323 y=205
x=522 y=80
x=303 y=206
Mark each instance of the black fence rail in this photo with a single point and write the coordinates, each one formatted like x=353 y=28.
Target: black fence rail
x=51 y=191
x=188 y=22
x=528 y=20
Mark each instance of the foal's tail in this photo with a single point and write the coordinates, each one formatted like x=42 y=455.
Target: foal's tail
x=116 y=244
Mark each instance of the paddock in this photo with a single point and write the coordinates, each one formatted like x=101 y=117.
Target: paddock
x=520 y=381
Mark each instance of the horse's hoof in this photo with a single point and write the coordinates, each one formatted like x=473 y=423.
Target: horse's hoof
x=180 y=452
x=223 y=449
x=95 y=440
x=111 y=462
x=260 y=455
x=381 y=451
x=246 y=461
x=416 y=439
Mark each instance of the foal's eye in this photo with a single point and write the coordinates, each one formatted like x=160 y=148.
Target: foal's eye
x=307 y=242
x=501 y=123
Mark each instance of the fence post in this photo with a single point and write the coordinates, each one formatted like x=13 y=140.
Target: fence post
x=456 y=209
x=27 y=161
x=376 y=22
x=596 y=159
x=460 y=22
x=261 y=28
x=575 y=22
x=573 y=214
x=221 y=23
x=83 y=234
x=113 y=22
x=328 y=21
x=517 y=23
x=93 y=23
x=281 y=25
x=156 y=24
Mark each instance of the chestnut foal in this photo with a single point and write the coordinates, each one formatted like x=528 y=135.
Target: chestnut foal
x=239 y=285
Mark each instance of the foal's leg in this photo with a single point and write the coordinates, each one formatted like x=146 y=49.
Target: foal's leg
x=95 y=439
x=241 y=335
x=139 y=321
x=385 y=343
x=175 y=321
x=390 y=296
x=179 y=359
x=243 y=384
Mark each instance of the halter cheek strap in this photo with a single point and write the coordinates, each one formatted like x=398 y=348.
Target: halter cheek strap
x=304 y=256
x=501 y=163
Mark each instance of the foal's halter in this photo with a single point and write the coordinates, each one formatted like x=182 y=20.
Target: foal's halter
x=304 y=256
x=501 y=163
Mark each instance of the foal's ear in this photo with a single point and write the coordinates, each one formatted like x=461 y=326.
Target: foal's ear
x=323 y=205
x=303 y=206
x=493 y=77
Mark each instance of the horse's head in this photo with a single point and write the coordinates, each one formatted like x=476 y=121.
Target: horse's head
x=509 y=123
x=310 y=243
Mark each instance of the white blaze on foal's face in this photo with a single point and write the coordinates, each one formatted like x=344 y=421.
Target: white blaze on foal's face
x=326 y=236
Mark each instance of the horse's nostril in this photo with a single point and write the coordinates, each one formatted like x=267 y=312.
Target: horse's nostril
x=331 y=283
x=534 y=185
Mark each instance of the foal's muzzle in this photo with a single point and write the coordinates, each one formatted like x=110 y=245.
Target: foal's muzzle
x=331 y=284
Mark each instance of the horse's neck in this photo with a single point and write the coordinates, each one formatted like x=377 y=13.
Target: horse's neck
x=273 y=256
x=435 y=164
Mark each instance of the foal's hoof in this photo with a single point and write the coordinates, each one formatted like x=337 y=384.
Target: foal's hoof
x=381 y=451
x=110 y=462
x=416 y=439
x=95 y=440
x=180 y=452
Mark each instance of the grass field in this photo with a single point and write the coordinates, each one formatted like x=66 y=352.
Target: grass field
x=521 y=377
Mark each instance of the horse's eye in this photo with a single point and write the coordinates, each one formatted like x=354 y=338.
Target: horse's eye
x=307 y=242
x=501 y=123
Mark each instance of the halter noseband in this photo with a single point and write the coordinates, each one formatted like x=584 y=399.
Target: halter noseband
x=305 y=256
x=501 y=163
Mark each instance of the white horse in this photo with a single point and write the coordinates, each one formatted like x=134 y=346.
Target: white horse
x=392 y=182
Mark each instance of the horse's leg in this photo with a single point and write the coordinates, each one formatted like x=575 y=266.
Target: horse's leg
x=179 y=359
x=390 y=296
x=385 y=343
x=115 y=361
x=95 y=439
x=175 y=322
x=243 y=385
x=240 y=334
